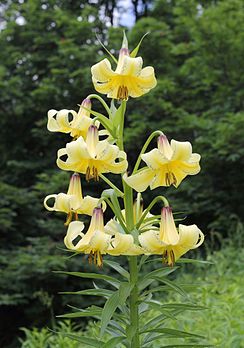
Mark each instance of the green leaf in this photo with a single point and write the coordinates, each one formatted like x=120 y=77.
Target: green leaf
x=83 y=313
x=124 y=292
x=113 y=342
x=173 y=286
x=111 y=280
x=173 y=333
x=158 y=306
x=108 y=311
x=117 y=117
x=82 y=339
x=116 y=266
x=186 y=345
x=92 y=292
x=185 y=260
x=108 y=52
x=136 y=49
x=154 y=275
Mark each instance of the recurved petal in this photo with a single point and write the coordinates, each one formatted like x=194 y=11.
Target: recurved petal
x=58 y=121
x=88 y=205
x=191 y=237
x=74 y=231
x=154 y=159
x=129 y=66
x=182 y=150
x=147 y=79
x=141 y=180
x=151 y=242
x=102 y=71
x=117 y=167
x=123 y=244
x=99 y=241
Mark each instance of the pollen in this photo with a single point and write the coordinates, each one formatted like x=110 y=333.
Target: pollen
x=122 y=93
x=170 y=178
x=95 y=257
x=92 y=173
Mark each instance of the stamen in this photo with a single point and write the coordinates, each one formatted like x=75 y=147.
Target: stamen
x=95 y=173
x=122 y=93
x=95 y=257
x=88 y=173
x=69 y=219
x=171 y=261
x=170 y=179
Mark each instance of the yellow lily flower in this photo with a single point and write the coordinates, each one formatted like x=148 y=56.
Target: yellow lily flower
x=128 y=79
x=121 y=243
x=72 y=202
x=59 y=121
x=92 y=157
x=95 y=242
x=167 y=165
x=169 y=242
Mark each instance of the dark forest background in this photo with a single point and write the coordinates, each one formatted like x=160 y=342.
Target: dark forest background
x=47 y=49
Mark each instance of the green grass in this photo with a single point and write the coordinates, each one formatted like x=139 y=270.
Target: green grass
x=221 y=290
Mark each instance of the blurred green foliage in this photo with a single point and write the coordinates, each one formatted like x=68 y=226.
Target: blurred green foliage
x=219 y=289
x=47 y=48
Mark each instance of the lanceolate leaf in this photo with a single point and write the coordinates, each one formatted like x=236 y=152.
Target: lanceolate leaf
x=118 y=268
x=108 y=310
x=80 y=314
x=149 y=278
x=113 y=342
x=136 y=49
x=86 y=340
x=109 y=279
x=173 y=333
x=92 y=292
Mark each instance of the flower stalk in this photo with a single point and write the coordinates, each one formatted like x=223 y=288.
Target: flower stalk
x=132 y=231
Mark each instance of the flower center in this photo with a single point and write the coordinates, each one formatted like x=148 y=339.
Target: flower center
x=169 y=257
x=122 y=93
x=95 y=257
x=170 y=179
x=92 y=173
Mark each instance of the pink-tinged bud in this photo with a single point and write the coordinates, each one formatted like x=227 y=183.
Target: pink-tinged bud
x=86 y=103
x=124 y=52
x=164 y=146
x=75 y=186
x=168 y=233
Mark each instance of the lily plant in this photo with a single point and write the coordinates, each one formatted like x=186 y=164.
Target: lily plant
x=96 y=148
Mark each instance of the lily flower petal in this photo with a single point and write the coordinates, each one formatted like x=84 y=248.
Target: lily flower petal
x=69 y=121
x=72 y=201
x=121 y=243
x=92 y=157
x=128 y=79
x=168 y=242
x=95 y=242
x=167 y=165
x=141 y=180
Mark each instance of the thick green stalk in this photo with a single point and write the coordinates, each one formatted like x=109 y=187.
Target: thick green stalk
x=133 y=267
x=134 y=314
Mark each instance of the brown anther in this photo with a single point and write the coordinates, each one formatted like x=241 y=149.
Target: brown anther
x=95 y=173
x=172 y=258
x=68 y=219
x=170 y=178
x=76 y=216
x=88 y=173
x=122 y=93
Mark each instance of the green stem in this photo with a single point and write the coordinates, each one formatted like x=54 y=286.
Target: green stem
x=146 y=211
x=149 y=139
x=105 y=105
x=120 y=141
x=134 y=314
x=120 y=193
